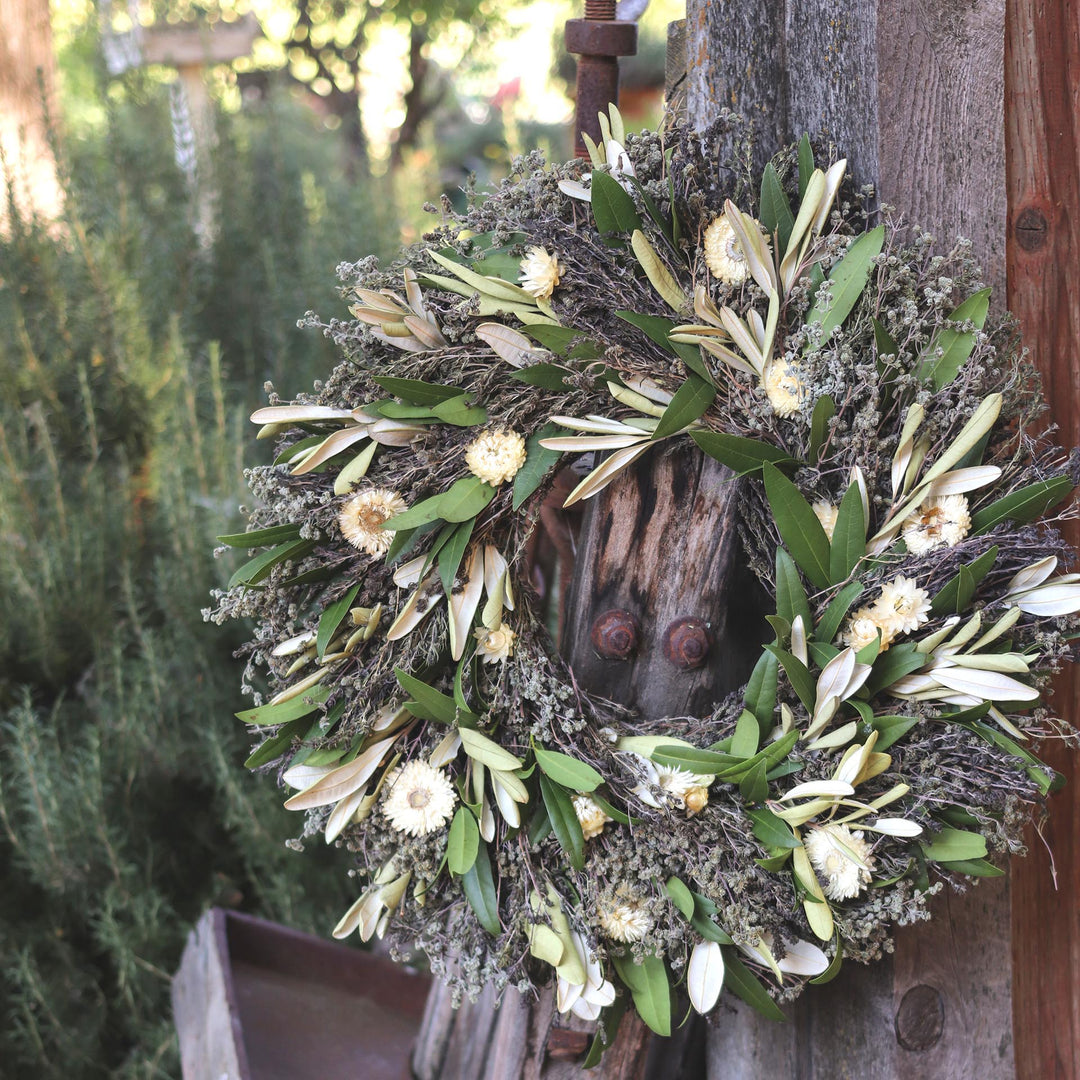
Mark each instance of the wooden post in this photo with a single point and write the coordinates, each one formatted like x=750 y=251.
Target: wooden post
x=1042 y=132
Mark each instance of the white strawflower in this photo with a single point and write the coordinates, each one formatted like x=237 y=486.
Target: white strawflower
x=902 y=606
x=864 y=626
x=495 y=645
x=827 y=514
x=841 y=858
x=783 y=388
x=495 y=456
x=540 y=273
x=724 y=255
x=362 y=516
x=622 y=916
x=591 y=816
x=676 y=785
x=419 y=798
x=940 y=522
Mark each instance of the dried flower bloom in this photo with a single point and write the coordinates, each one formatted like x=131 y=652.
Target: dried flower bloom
x=591 y=816
x=540 y=273
x=783 y=388
x=419 y=798
x=864 y=626
x=841 y=859
x=724 y=255
x=940 y=522
x=495 y=456
x=495 y=645
x=902 y=606
x=622 y=915
x=363 y=515
x=827 y=514
x=696 y=799
x=675 y=784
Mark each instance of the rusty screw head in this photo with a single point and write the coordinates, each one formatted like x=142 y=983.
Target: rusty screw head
x=686 y=643
x=615 y=634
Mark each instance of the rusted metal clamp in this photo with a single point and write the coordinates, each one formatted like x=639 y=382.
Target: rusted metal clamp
x=598 y=40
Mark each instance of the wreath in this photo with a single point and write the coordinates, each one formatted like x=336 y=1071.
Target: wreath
x=896 y=504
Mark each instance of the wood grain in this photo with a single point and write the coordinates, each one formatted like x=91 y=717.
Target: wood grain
x=1043 y=254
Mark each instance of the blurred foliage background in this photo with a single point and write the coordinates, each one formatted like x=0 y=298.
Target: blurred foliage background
x=137 y=329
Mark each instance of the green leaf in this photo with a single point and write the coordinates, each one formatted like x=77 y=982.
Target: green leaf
x=772 y=831
x=744 y=742
x=331 y=618
x=488 y=752
x=952 y=844
x=790 y=595
x=760 y=697
x=1026 y=504
x=849 y=277
x=891 y=728
x=255 y=570
x=691 y=400
x=294 y=449
x=479 y=889
x=612 y=207
x=557 y=339
x=824 y=411
x=802 y=682
x=955 y=345
x=798 y=526
x=567 y=771
x=884 y=341
x=655 y=327
x=705 y=762
x=546 y=376
x=848 y=543
x=753 y=787
x=612 y=812
x=394 y=410
x=776 y=213
x=806 y=164
x=739 y=980
x=681 y=896
x=463 y=842
x=459 y=412
x=438 y=706
x=772 y=753
x=538 y=463
x=833 y=969
x=957 y=592
x=739 y=454
x=277 y=744
x=564 y=821
x=465 y=499
x=610 y=1019
x=649 y=987
x=451 y=554
x=690 y=355
x=829 y=624
x=275 y=534
x=899 y=661
x=975 y=867
x=272 y=715
x=422 y=513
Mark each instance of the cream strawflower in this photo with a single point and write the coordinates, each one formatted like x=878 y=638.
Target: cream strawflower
x=362 y=516
x=902 y=606
x=622 y=915
x=540 y=273
x=783 y=388
x=419 y=798
x=841 y=858
x=495 y=456
x=723 y=253
x=591 y=816
x=827 y=514
x=863 y=628
x=495 y=645
x=676 y=786
x=940 y=522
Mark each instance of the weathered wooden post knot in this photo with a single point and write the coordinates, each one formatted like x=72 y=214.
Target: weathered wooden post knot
x=615 y=634
x=598 y=40
x=1032 y=228
x=920 y=1020
x=687 y=643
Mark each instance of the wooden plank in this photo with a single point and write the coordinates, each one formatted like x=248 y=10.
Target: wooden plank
x=912 y=94
x=1043 y=170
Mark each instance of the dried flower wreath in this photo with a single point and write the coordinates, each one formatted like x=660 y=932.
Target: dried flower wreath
x=894 y=507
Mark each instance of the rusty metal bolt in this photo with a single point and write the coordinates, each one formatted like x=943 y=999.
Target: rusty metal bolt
x=686 y=643
x=615 y=634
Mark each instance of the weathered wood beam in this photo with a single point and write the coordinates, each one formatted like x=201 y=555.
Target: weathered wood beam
x=1042 y=131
